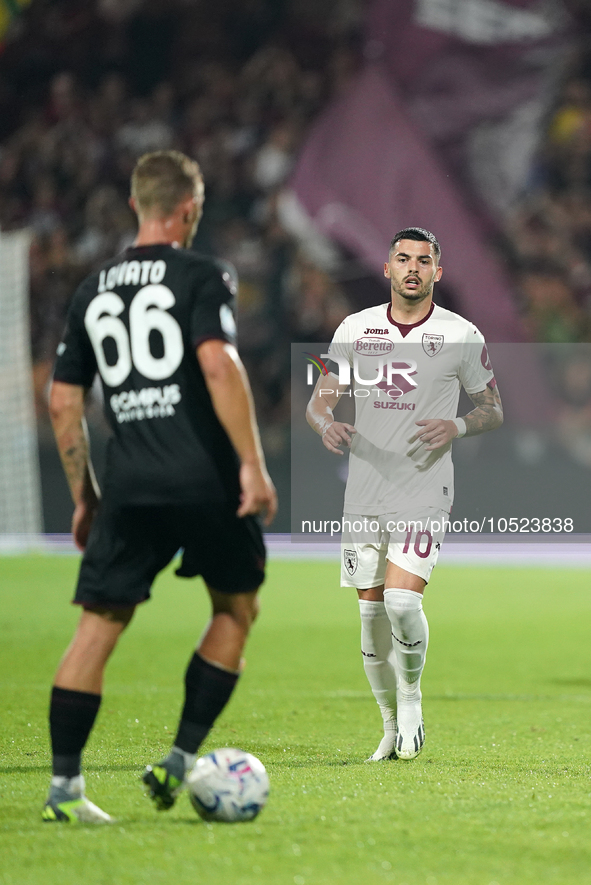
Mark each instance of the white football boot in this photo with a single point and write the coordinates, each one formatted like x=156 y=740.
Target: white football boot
x=387 y=746
x=68 y=804
x=410 y=730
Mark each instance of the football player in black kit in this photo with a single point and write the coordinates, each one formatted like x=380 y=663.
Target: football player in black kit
x=185 y=470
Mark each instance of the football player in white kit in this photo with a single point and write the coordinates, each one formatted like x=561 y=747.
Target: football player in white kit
x=404 y=362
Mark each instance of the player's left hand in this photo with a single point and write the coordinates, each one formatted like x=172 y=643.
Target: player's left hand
x=435 y=433
x=258 y=493
x=81 y=523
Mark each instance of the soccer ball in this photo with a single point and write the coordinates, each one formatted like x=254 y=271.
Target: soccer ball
x=228 y=785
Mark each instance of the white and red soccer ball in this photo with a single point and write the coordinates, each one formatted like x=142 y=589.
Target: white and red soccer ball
x=228 y=785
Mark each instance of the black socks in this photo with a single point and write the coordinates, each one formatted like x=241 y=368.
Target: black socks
x=72 y=714
x=207 y=691
x=71 y=717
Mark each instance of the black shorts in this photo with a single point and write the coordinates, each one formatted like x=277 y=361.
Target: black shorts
x=128 y=546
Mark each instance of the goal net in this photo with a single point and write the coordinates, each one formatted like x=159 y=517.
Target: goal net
x=20 y=486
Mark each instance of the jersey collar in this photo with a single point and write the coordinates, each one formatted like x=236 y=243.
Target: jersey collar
x=405 y=328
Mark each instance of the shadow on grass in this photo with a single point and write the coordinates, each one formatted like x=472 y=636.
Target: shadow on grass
x=16 y=826
x=25 y=769
x=461 y=696
x=45 y=766
x=572 y=683
x=321 y=762
x=272 y=757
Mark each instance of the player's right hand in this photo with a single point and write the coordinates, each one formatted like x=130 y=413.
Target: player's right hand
x=336 y=434
x=258 y=493
x=81 y=523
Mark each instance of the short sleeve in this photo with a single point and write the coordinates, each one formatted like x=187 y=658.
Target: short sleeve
x=475 y=366
x=75 y=361
x=340 y=348
x=212 y=315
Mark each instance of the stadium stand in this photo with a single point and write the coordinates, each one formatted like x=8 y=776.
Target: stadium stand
x=87 y=87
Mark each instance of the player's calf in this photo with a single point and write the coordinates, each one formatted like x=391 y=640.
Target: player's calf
x=410 y=633
x=376 y=650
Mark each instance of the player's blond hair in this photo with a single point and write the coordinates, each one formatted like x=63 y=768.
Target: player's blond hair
x=162 y=179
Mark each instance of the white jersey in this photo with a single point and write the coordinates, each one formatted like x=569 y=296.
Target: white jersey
x=401 y=374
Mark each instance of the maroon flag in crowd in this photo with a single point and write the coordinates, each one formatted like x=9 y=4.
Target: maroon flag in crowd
x=445 y=114
x=478 y=77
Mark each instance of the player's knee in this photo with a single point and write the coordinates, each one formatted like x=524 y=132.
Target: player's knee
x=403 y=607
x=247 y=610
x=242 y=608
x=255 y=608
x=120 y=616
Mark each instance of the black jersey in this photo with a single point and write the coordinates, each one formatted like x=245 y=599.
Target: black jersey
x=138 y=322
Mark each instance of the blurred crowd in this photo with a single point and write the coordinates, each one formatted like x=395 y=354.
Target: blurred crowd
x=549 y=233
x=548 y=244
x=86 y=88
x=238 y=103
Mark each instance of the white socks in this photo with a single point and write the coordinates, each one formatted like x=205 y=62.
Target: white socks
x=410 y=637
x=394 y=639
x=378 y=659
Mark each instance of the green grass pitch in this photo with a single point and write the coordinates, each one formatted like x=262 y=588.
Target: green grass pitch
x=499 y=796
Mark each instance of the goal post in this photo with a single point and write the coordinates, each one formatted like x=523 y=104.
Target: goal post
x=20 y=483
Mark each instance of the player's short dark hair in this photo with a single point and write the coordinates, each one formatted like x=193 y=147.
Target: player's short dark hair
x=162 y=179
x=419 y=234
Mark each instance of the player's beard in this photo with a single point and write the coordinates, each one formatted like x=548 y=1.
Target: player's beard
x=413 y=296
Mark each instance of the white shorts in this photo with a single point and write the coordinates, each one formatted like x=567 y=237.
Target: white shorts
x=412 y=543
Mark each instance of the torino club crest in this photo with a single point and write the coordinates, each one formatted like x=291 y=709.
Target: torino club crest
x=432 y=344
x=350 y=560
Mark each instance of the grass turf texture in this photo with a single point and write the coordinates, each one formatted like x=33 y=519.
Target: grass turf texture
x=500 y=793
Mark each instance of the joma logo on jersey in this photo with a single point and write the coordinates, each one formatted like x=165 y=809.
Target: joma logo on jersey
x=377 y=332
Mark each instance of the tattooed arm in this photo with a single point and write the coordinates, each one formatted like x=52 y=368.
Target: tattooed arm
x=488 y=415
x=66 y=408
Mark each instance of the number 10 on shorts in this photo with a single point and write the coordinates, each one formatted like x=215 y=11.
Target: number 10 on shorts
x=423 y=541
